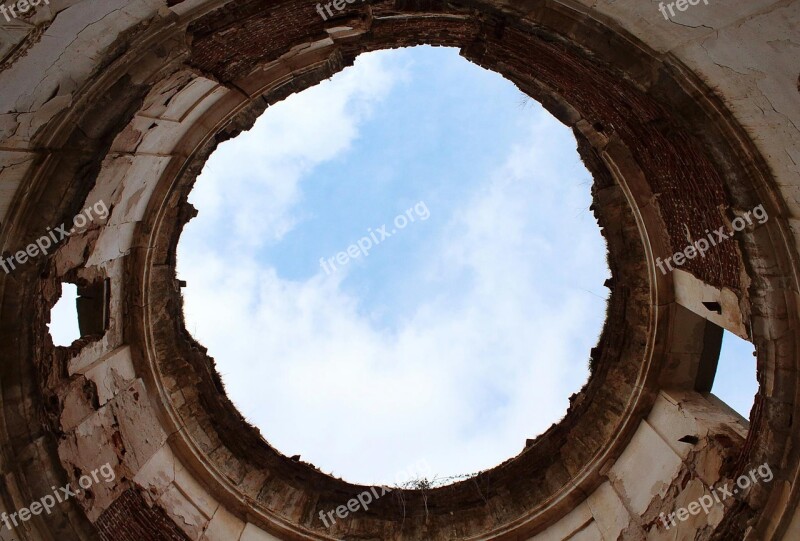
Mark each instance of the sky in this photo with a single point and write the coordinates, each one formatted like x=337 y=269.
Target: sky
x=735 y=382
x=460 y=326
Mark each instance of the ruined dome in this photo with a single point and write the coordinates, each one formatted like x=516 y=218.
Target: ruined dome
x=687 y=117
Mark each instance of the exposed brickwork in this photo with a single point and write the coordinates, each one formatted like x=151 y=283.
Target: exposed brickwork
x=230 y=42
x=131 y=519
x=687 y=187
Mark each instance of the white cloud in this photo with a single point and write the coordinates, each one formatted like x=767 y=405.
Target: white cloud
x=463 y=381
x=297 y=135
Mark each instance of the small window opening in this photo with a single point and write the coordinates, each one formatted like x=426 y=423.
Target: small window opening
x=64 y=328
x=81 y=311
x=736 y=381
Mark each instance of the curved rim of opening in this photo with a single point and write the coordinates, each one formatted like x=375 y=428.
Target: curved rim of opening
x=562 y=483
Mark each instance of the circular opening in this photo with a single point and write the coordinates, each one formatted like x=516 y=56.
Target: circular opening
x=409 y=272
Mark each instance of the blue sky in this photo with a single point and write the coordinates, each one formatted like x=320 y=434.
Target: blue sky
x=735 y=382
x=456 y=338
